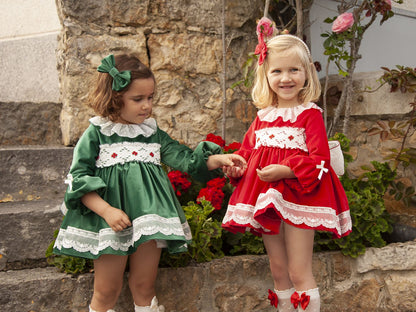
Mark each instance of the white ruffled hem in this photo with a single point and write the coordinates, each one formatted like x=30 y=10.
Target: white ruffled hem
x=271 y=113
x=108 y=127
x=311 y=216
x=91 y=242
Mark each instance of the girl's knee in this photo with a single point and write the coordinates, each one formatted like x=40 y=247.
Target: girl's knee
x=300 y=276
x=142 y=286
x=107 y=292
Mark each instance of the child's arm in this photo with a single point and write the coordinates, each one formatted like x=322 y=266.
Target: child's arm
x=273 y=173
x=116 y=218
x=230 y=162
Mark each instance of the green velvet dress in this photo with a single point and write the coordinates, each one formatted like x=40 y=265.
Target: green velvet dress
x=123 y=164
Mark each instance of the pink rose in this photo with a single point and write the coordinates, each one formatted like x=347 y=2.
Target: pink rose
x=343 y=22
x=266 y=27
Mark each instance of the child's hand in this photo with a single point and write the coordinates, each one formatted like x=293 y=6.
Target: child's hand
x=116 y=219
x=273 y=173
x=226 y=160
x=233 y=171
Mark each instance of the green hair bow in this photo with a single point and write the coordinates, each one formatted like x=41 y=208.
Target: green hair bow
x=120 y=79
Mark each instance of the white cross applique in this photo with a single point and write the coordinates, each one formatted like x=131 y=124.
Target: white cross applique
x=322 y=169
x=69 y=180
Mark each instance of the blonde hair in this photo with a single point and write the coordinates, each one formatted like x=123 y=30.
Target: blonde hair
x=263 y=96
x=103 y=99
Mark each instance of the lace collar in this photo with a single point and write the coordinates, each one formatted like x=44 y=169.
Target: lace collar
x=108 y=128
x=271 y=113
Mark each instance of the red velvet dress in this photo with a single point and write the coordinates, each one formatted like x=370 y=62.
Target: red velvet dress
x=315 y=199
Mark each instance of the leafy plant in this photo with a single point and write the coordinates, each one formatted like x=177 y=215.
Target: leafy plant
x=67 y=264
x=401 y=79
x=370 y=219
x=206 y=237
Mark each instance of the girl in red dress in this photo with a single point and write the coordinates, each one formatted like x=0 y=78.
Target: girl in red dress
x=289 y=188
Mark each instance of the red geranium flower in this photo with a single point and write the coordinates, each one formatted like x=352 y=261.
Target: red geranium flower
x=216 y=183
x=273 y=298
x=216 y=139
x=179 y=181
x=232 y=147
x=213 y=195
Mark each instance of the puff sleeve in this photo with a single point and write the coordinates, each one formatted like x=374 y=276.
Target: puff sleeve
x=81 y=177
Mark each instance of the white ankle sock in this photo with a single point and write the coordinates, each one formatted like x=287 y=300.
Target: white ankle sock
x=154 y=307
x=91 y=310
x=285 y=304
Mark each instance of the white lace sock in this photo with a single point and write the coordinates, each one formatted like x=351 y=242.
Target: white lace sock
x=154 y=307
x=314 y=300
x=285 y=304
x=91 y=310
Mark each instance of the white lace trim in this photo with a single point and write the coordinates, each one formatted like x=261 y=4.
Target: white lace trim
x=312 y=216
x=271 y=113
x=92 y=242
x=108 y=128
x=121 y=153
x=282 y=137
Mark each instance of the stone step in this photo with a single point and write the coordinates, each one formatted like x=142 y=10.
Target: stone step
x=230 y=284
x=33 y=172
x=45 y=290
x=26 y=230
x=28 y=123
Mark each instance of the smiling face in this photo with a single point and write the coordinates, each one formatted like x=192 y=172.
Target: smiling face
x=137 y=101
x=286 y=76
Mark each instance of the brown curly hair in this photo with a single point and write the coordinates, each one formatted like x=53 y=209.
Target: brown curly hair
x=103 y=99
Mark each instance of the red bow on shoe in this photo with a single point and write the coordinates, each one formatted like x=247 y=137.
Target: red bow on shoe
x=273 y=298
x=303 y=300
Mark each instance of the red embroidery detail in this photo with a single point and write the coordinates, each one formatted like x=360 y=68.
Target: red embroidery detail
x=134 y=153
x=290 y=137
x=303 y=300
x=273 y=298
x=271 y=136
x=114 y=155
x=151 y=154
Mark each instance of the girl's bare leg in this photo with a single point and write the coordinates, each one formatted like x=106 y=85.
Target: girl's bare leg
x=108 y=281
x=143 y=272
x=283 y=287
x=299 y=247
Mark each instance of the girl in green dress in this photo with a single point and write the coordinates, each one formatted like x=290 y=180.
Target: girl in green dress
x=119 y=204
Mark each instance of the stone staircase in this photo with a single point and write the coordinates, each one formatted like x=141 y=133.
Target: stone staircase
x=31 y=191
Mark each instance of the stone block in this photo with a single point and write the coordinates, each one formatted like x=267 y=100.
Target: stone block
x=33 y=172
x=393 y=257
x=26 y=230
x=29 y=123
x=28 y=70
x=380 y=102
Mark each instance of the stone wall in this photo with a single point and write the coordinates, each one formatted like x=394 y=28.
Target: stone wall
x=381 y=280
x=181 y=42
